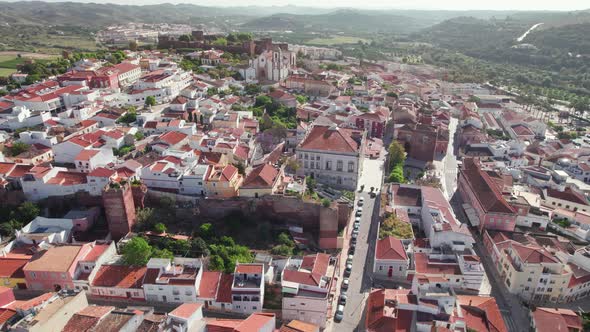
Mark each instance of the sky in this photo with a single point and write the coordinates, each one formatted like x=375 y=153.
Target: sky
x=564 y=5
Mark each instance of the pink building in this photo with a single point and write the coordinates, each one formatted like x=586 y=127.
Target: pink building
x=54 y=269
x=373 y=123
x=483 y=201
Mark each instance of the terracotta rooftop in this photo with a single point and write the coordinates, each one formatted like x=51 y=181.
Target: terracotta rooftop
x=263 y=176
x=209 y=284
x=484 y=188
x=552 y=319
x=391 y=248
x=332 y=139
x=120 y=276
x=186 y=310
x=56 y=259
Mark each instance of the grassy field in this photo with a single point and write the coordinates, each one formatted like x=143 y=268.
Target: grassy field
x=5 y=72
x=335 y=40
x=9 y=60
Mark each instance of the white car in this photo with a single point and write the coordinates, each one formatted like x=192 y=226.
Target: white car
x=361 y=201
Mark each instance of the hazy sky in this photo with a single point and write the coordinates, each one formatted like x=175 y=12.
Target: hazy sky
x=375 y=4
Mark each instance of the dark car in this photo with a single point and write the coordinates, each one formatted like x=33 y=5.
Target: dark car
x=342 y=299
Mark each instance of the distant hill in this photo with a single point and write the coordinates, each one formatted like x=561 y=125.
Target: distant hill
x=344 y=20
x=99 y=15
x=573 y=38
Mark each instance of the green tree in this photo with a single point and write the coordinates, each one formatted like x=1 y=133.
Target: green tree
x=216 y=263
x=128 y=117
x=162 y=253
x=219 y=42
x=241 y=168
x=27 y=211
x=311 y=183
x=285 y=239
x=397 y=174
x=160 y=228
x=150 y=101
x=185 y=38
x=137 y=252
x=199 y=246
x=282 y=250
x=263 y=101
x=326 y=202
x=206 y=231
x=18 y=148
x=139 y=136
x=301 y=99
x=397 y=154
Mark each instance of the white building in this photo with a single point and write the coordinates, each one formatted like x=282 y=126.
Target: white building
x=306 y=285
x=332 y=155
x=173 y=281
x=273 y=65
x=248 y=288
x=391 y=258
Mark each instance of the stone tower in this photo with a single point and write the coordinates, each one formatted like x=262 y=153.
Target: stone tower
x=119 y=209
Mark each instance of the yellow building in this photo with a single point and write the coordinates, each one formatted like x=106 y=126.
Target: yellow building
x=11 y=272
x=532 y=272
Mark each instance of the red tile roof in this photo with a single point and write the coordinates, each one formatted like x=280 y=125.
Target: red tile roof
x=302 y=277
x=391 y=248
x=263 y=176
x=568 y=194
x=255 y=322
x=333 y=139
x=120 y=276
x=172 y=137
x=550 y=320
x=209 y=284
x=249 y=268
x=481 y=313
x=186 y=310
x=484 y=188
x=224 y=289
x=424 y=265
x=102 y=172
x=12 y=268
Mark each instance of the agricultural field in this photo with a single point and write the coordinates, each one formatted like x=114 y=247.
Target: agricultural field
x=10 y=59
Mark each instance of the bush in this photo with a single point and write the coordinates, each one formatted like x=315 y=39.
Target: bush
x=160 y=228
x=136 y=252
x=326 y=202
x=397 y=174
x=282 y=250
x=392 y=226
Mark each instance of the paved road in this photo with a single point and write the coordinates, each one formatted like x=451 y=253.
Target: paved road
x=360 y=278
x=448 y=165
x=514 y=313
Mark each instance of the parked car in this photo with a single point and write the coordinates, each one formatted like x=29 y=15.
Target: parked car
x=355 y=226
x=339 y=313
x=361 y=201
x=349 y=259
x=357 y=220
x=359 y=212
x=348 y=270
x=351 y=249
x=345 y=283
x=342 y=299
x=355 y=231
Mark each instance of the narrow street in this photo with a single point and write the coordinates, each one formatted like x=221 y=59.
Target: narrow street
x=360 y=278
x=446 y=169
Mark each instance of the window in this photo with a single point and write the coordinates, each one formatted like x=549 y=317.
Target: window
x=339 y=165
x=306 y=156
x=317 y=165
x=253 y=308
x=306 y=164
x=33 y=275
x=549 y=289
x=329 y=165
x=526 y=288
x=311 y=165
x=351 y=166
x=380 y=268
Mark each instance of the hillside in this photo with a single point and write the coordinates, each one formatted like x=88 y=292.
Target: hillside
x=99 y=15
x=573 y=38
x=346 y=21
